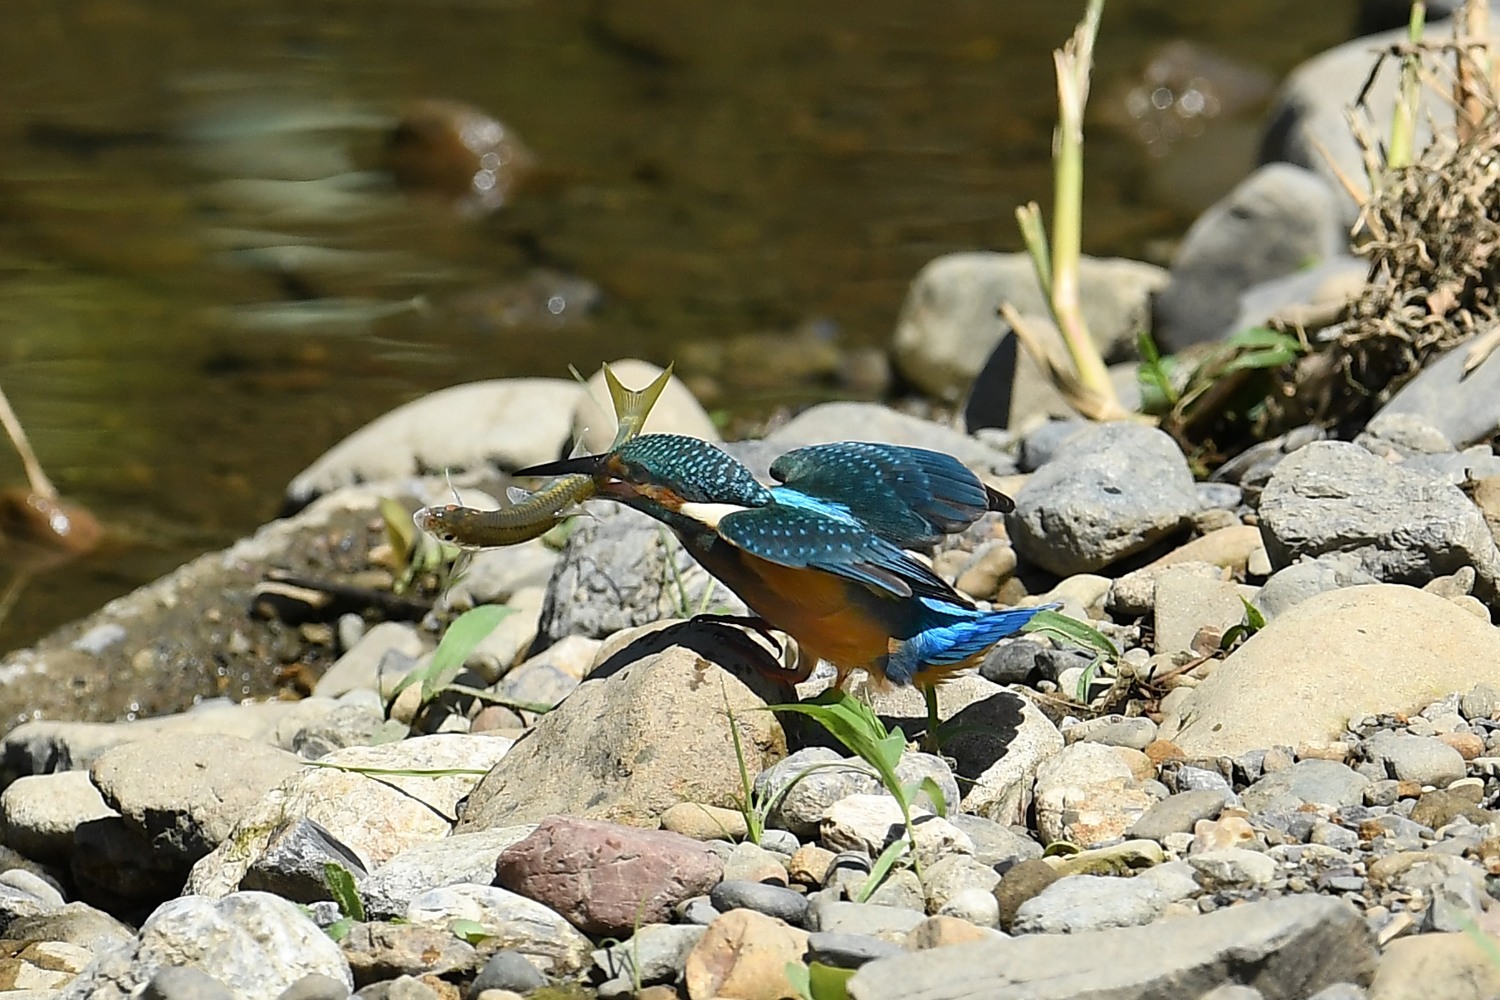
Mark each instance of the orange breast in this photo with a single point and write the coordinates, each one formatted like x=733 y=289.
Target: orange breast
x=814 y=608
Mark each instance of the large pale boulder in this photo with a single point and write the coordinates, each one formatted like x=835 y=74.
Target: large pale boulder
x=1343 y=653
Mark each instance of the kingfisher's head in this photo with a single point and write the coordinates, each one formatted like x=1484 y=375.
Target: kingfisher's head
x=667 y=474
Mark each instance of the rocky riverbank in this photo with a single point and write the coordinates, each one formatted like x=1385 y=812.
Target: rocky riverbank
x=1281 y=782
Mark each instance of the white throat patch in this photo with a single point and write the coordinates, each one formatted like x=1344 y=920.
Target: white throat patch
x=710 y=514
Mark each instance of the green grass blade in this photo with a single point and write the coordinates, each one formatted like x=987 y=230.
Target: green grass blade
x=881 y=868
x=341 y=884
x=465 y=632
x=1072 y=630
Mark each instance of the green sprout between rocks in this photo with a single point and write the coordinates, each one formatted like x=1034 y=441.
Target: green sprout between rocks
x=464 y=633
x=1082 y=377
x=416 y=554
x=816 y=981
x=1252 y=623
x=345 y=894
x=1401 y=151
x=856 y=726
x=1052 y=624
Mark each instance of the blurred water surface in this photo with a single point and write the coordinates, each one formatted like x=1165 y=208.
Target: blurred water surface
x=209 y=272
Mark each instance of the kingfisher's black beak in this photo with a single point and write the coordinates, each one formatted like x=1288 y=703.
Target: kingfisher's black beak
x=588 y=465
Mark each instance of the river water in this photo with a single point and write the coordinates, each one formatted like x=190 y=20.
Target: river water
x=209 y=275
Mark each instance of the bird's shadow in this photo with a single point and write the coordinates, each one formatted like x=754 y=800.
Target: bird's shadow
x=729 y=647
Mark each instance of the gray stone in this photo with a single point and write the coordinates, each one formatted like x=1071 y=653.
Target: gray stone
x=1022 y=661
x=493 y=576
x=505 y=423
x=1119 y=488
x=1136 y=732
x=293 y=864
x=1426 y=760
x=354 y=722
x=994 y=843
x=48 y=747
x=1046 y=441
x=1333 y=496
x=1233 y=991
x=1232 y=868
x=1177 y=814
x=654 y=954
x=975 y=905
x=844 y=421
x=614 y=749
x=1307 y=124
x=40 y=812
x=826 y=913
x=184 y=793
x=1303 y=294
x=1459 y=405
x=1400 y=436
x=1077 y=903
x=181 y=982
x=620 y=569
x=507 y=970
x=1340 y=991
x=365 y=665
x=802 y=785
x=377 y=816
x=510 y=921
x=1291 y=585
x=315 y=987
x=77 y=924
x=1272 y=224
x=950 y=876
x=461 y=857
x=1482 y=701
x=1457 y=904
x=24 y=895
x=1185 y=602
x=870 y=823
x=1307 y=782
x=772 y=900
x=848 y=951
x=1407 y=647
x=1287 y=948
x=949 y=324
x=254 y=943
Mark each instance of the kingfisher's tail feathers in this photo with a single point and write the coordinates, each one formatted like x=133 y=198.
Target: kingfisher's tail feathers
x=909 y=496
x=960 y=636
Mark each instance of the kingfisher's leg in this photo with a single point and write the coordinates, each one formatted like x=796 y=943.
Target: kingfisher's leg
x=753 y=622
x=929 y=692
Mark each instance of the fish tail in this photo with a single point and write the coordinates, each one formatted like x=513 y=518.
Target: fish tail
x=633 y=405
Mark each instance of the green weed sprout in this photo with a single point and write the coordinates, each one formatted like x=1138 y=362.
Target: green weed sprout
x=1072 y=630
x=856 y=726
x=1082 y=377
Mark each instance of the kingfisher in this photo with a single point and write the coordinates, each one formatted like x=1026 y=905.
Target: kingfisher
x=823 y=556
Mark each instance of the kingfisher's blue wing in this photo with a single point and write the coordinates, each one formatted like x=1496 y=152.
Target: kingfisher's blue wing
x=911 y=497
x=808 y=539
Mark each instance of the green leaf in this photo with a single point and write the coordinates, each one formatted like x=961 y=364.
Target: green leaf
x=1273 y=358
x=400 y=531
x=1072 y=630
x=858 y=728
x=934 y=792
x=339 y=929
x=1158 y=393
x=828 y=982
x=341 y=884
x=1086 y=679
x=464 y=633
x=881 y=868
x=471 y=931
x=1254 y=620
x=801 y=979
